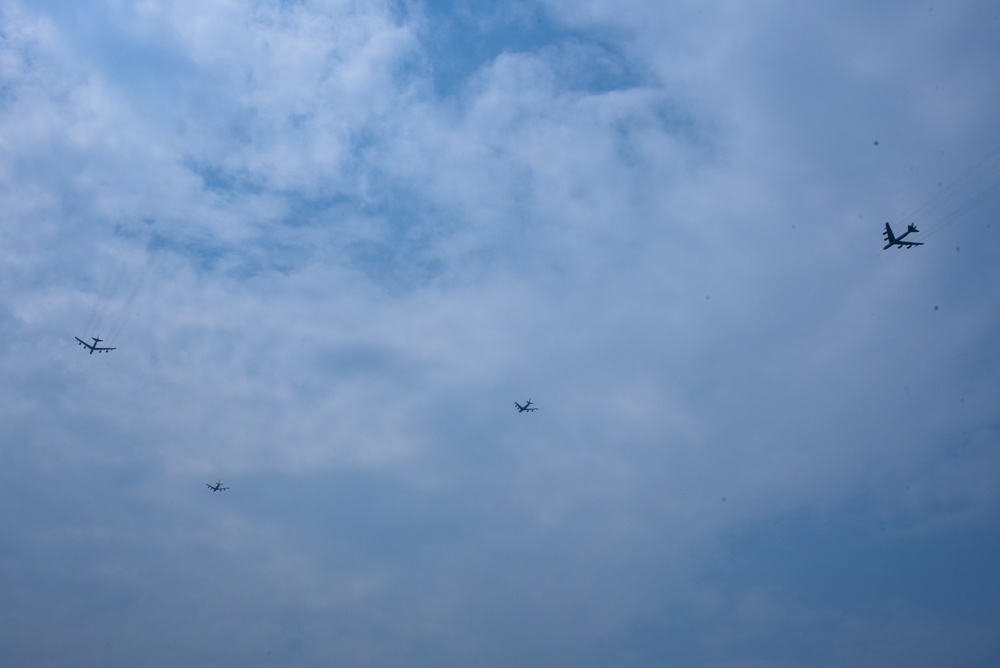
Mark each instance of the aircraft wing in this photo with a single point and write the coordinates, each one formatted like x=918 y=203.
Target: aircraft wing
x=93 y=347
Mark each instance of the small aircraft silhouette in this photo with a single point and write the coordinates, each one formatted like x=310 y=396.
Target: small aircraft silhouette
x=525 y=407
x=217 y=487
x=893 y=240
x=93 y=347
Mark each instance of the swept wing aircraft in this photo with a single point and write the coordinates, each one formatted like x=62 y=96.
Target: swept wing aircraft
x=217 y=487
x=525 y=407
x=893 y=240
x=93 y=347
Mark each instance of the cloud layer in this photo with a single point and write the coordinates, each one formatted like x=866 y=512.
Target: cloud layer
x=333 y=241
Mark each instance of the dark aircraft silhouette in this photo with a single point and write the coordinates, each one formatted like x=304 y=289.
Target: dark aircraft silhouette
x=217 y=487
x=525 y=407
x=893 y=240
x=93 y=347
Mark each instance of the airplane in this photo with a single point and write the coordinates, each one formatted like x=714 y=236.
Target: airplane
x=525 y=407
x=217 y=487
x=893 y=240
x=93 y=347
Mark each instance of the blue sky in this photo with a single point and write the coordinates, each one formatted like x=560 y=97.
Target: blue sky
x=333 y=242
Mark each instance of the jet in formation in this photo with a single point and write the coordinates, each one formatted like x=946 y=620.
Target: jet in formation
x=217 y=487
x=893 y=240
x=93 y=347
x=525 y=407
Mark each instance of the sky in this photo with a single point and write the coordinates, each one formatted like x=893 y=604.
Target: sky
x=332 y=242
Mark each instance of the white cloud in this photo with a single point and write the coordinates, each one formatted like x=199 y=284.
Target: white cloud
x=349 y=277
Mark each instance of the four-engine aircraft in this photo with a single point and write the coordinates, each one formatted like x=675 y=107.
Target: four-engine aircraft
x=217 y=487
x=893 y=240
x=93 y=347
x=525 y=407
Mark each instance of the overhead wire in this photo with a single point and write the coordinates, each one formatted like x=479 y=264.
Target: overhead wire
x=109 y=314
x=104 y=296
x=126 y=310
x=969 y=190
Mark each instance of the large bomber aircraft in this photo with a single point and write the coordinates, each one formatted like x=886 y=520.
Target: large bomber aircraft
x=93 y=347
x=525 y=407
x=893 y=240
